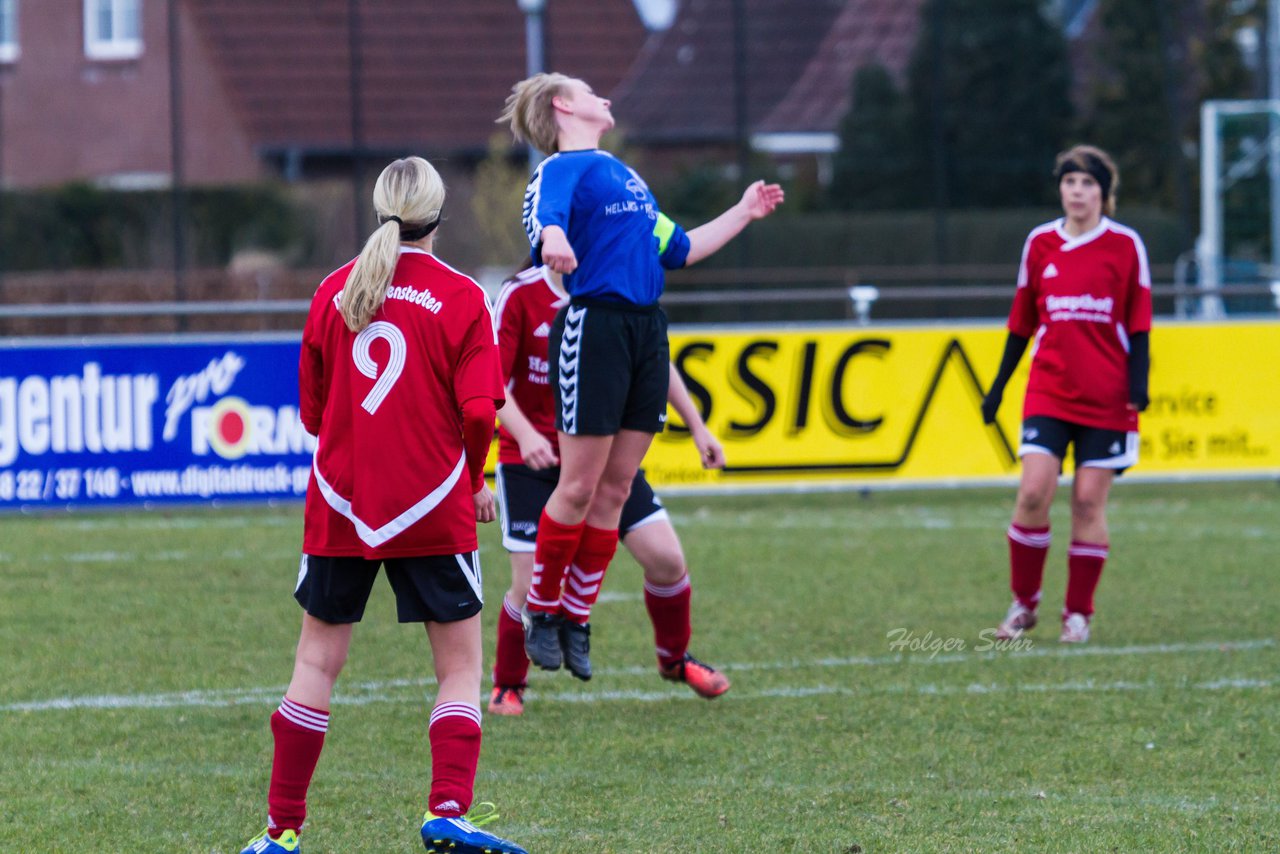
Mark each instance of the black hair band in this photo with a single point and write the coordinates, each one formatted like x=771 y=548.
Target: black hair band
x=1090 y=165
x=415 y=232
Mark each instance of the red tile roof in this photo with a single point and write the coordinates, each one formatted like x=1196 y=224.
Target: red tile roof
x=865 y=32
x=682 y=88
x=434 y=73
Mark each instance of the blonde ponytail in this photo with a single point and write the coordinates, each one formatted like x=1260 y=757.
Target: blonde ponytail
x=408 y=196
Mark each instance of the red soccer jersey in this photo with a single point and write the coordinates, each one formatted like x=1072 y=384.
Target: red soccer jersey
x=1081 y=298
x=389 y=477
x=526 y=309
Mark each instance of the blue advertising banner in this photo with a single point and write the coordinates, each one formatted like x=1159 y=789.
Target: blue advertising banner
x=150 y=421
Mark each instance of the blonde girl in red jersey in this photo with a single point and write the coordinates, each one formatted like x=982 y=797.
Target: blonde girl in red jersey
x=1084 y=295
x=399 y=380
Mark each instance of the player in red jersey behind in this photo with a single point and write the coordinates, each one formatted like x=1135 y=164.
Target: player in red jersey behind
x=399 y=380
x=528 y=470
x=1084 y=294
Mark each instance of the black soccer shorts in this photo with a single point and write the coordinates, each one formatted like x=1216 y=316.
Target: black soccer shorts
x=1094 y=447
x=523 y=492
x=609 y=368
x=433 y=589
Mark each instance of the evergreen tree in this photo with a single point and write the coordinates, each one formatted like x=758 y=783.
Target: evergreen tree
x=878 y=164
x=1158 y=62
x=989 y=86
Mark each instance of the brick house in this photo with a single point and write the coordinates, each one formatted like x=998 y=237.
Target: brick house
x=267 y=85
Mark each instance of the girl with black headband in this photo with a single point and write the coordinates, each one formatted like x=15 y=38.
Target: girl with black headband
x=399 y=379
x=1084 y=294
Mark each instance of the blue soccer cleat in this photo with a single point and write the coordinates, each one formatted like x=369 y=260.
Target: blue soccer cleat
x=459 y=836
x=264 y=844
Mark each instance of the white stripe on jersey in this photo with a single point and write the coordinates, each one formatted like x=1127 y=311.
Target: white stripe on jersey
x=488 y=306
x=1023 y=277
x=375 y=538
x=1140 y=248
x=531 y=276
x=532 y=196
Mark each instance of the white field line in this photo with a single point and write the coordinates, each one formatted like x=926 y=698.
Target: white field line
x=392 y=690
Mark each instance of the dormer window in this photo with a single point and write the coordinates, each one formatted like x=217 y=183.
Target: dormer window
x=112 y=29
x=8 y=30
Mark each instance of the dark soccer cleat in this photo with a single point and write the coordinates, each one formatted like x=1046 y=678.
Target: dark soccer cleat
x=507 y=700
x=459 y=836
x=264 y=844
x=575 y=640
x=542 y=638
x=704 y=679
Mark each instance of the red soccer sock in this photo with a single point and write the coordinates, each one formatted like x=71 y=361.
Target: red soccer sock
x=455 y=752
x=586 y=572
x=1084 y=568
x=1028 y=548
x=299 y=737
x=511 y=664
x=668 y=607
x=554 y=549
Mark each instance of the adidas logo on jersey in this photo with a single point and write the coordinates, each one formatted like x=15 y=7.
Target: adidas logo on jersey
x=1049 y=272
x=1114 y=449
x=543 y=331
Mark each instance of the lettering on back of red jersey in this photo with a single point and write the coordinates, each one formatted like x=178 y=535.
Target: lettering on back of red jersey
x=406 y=293
x=1080 y=307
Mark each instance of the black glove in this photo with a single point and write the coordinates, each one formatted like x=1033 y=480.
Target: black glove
x=1139 y=369
x=990 y=405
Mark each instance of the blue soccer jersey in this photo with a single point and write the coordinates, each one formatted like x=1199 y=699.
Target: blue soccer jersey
x=620 y=238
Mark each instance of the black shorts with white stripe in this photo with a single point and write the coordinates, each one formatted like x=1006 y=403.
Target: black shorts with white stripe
x=431 y=589
x=1093 y=447
x=523 y=492
x=609 y=368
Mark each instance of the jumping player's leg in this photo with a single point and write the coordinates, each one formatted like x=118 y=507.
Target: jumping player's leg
x=667 y=596
x=600 y=535
x=583 y=460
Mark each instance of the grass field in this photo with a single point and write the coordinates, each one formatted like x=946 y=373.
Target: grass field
x=142 y=654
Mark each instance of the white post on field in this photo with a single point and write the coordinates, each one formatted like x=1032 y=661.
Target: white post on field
x=1209 y=246
x=1273 y=140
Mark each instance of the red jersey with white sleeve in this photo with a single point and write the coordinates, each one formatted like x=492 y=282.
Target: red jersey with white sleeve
x=389 y=477
x=526 y=308
x=1081 y=298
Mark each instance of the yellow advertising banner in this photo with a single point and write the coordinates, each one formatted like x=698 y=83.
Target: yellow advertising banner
x=822 y=405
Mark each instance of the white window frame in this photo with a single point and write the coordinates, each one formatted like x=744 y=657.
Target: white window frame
x=116 y=46
x=9 y=50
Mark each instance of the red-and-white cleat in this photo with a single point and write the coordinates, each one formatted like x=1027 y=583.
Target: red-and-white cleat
x=1075 y=629
x=1019 y=619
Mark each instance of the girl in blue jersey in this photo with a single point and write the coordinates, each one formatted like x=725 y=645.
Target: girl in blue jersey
x=590 y=217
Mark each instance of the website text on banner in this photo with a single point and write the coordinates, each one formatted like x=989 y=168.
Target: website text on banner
x=141 y=423
x=867 y=404
x=164 y=422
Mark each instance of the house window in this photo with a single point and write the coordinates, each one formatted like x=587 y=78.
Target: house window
x=112 y=29
x=8 y=30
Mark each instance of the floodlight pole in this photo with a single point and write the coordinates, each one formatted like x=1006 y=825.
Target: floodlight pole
x=535 y=54
x=177 y=164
